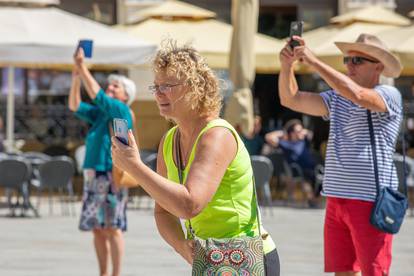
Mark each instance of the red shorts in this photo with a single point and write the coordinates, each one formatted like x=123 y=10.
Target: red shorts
x=351 y=243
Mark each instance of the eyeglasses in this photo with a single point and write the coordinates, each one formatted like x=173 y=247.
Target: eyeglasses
x=162 y=88
x=358 y=60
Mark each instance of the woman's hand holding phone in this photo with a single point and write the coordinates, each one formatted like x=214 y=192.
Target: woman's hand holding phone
x=125 y=156
x=121 y=130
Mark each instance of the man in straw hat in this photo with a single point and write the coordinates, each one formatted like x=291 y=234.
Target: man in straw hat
x=352 y=244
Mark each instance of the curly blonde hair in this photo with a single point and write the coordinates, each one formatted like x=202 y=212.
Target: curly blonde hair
x=187 y=65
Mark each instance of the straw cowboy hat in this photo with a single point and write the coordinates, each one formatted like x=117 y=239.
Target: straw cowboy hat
x=373 y=47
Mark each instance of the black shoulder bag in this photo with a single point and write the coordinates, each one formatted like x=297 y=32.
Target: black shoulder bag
x=390 y=205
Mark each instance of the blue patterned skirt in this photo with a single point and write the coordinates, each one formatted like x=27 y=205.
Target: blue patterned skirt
x=104 y=205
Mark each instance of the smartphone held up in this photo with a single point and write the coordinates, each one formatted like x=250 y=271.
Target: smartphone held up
x=121 y=130
x=296 y=29
x=87 y=46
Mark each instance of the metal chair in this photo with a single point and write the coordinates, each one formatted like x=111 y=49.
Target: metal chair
x=15 y=173
x=319 y=174
x=281 y=170
x=57 y=174
x=36 y=159
x=263 y=171
x=36 y=155
x=280 y=165
x=399 y=165
x=288 y=175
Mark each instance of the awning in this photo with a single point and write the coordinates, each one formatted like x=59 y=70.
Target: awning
x=211 y=38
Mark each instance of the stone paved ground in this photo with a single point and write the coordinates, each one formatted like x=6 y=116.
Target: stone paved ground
x=52 y=245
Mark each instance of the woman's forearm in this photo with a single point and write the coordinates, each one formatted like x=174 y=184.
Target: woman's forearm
x=173 y=197
x=74 y=94
x=170 y=229
x=91 y=85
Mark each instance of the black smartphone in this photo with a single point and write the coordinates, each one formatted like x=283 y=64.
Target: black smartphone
x=296 y=28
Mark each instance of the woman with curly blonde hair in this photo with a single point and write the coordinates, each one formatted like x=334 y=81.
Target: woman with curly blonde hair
x=217 y=192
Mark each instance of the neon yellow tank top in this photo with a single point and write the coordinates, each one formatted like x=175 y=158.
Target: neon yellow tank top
x=232 y=210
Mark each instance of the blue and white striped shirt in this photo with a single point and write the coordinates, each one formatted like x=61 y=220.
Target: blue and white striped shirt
x=349 y=169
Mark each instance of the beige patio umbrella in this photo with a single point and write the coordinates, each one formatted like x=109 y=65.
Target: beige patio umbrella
x=372 y=14
x=212 y=38
x=239 y=109
x=173 y=10
x=347 y=27
x=31 y=2
x=401 y=42
x=321 y=40
x=46 y=38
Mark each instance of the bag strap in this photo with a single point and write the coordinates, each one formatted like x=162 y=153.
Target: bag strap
x=181 y=178
x=374 y=154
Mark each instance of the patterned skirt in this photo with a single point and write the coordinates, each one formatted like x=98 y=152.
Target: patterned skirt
x=104 y=205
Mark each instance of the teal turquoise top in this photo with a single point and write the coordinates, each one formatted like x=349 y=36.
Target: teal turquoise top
x=232 y=211
x=98 y=141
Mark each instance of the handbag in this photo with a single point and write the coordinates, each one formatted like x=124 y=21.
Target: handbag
x=225 y=256
x=390 y=205
x=121 y=178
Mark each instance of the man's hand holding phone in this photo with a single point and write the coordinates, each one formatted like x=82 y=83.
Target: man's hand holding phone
x=287 y=57
x=303 y=53
x=296 y=48
x=296 y=29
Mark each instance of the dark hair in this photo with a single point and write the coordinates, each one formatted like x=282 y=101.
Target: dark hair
x=290 y=125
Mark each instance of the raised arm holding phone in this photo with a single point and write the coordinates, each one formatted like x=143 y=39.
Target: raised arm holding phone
x=352 y=244
x=104 y=204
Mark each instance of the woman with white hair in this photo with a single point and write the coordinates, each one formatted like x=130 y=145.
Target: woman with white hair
x=104 y=205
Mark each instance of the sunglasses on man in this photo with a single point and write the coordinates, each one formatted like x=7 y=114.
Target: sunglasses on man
x=358 y=60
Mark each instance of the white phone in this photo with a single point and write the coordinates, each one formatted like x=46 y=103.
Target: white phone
x=121 y=130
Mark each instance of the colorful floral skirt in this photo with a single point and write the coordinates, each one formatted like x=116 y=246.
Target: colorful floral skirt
x=104 y=205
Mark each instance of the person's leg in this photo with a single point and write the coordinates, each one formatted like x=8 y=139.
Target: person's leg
x=101 y=243
x=272 y=263
x=116 y=241
x=309 y=194
x=339 y=249
x=373 y=247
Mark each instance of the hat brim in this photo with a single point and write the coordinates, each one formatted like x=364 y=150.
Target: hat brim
x=392 y=65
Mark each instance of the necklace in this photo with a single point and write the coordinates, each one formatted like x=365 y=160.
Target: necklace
x=181 y=147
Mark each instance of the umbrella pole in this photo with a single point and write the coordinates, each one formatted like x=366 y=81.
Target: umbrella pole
x=10 y=111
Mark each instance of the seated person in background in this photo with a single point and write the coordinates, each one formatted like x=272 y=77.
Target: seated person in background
x=255 y=141
x=294 y=142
